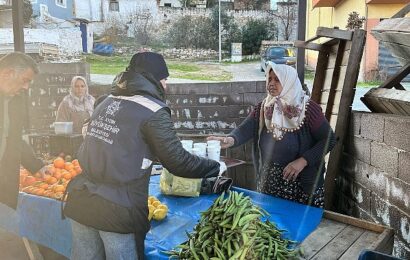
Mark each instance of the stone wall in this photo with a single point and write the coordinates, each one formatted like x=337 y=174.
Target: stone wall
x=68 y=40
x=375 y=178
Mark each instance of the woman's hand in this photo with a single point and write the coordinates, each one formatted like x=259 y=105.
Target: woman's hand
x=292 y=170
x=226 y=142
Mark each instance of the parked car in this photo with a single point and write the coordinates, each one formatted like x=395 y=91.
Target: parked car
x=278 y=55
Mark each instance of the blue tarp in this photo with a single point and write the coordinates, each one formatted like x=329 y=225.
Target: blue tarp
x=39 y=219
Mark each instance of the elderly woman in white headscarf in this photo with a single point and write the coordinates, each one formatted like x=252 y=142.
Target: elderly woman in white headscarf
x=77 y=106
x=290 y=137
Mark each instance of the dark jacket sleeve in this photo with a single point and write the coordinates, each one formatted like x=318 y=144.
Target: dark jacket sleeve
x=322 y=133
x=29 y=159
x=245 y=131
x=163 y=141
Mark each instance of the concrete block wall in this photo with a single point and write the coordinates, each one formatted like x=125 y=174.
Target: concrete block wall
x=198 y=109
x=375 y=180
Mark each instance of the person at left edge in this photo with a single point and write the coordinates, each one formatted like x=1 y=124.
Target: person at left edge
x=127 y=131
x=17 y=71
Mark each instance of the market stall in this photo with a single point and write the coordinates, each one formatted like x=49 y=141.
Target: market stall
x=39 y=219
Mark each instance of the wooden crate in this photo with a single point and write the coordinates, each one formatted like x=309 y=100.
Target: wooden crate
x=343 y=237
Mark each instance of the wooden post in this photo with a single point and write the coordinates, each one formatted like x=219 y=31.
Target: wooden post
x=18 y=25
x=352 y=72
x=300 y=59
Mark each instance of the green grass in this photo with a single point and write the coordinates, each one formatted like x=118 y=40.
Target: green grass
x=112 y=65
x=107 y=65
x=369 y=84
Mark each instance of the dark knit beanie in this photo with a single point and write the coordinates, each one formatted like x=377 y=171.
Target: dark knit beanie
x=150 y=62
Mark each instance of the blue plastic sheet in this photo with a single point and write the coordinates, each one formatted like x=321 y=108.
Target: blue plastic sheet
x=39 y=219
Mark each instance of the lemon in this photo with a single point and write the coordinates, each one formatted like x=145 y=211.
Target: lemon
x=152 y=198
x=156 y=203
x=162 y=206
x=159 y=214
x=151 y=210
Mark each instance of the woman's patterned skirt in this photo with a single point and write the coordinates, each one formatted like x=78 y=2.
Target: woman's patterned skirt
x=270 y=181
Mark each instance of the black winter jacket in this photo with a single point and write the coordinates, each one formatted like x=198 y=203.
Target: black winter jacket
x=17 y=151
x=159 y=133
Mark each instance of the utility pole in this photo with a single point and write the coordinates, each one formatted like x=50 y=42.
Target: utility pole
x=18 y=25
x=219 y=32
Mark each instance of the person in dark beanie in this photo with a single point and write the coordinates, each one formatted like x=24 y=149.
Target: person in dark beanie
x=128 y=130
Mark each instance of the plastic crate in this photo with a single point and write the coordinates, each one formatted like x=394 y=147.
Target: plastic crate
x=67 y=144
x=40 y=143
x=373 y=255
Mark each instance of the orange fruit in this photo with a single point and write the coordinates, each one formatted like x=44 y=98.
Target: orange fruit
x=58 y=174
x=67 y=176
x=48 y=193
x=51 y=180
x=23 y=177
x=75 y=162
x=58 y=195
x=59 y=163
x=68 y=166
x=43 y=186
x=78 y=169
x=59 y=188
x=29 y=180
x=40 y=192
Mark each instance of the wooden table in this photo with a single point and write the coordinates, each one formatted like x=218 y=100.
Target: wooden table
x=343 y=237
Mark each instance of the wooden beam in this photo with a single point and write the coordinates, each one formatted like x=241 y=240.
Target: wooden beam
x=352 y=72
x=384 y=243
x=334 y=33
x=395 y=80
x=320 y=76
x=32 y=250
x=355 y=221
x=335 y=79
x=300 y=56
x=402 y=12
x=312 y=46
x=18 y=25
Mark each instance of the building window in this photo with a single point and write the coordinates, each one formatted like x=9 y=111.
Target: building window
x=168 y=5
x=61 y=3
x=114 y=6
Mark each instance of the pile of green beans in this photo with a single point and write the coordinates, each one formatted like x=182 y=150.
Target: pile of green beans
x=232 y=229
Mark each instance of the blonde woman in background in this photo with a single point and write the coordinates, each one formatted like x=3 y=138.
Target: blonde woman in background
x=77 y=106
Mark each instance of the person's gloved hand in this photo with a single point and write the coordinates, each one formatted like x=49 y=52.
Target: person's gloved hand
x=222 y=168
x=215 y=185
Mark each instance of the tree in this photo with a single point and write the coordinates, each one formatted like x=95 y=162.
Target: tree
x=286 y=14
x=192 y=32
x=229 y=29
x=254 y=32
x=354 y=21
x=250 y=4
x=211 y=3
x=185 y=3
x=27 y=11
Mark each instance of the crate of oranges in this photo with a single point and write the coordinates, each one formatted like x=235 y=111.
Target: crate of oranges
x=52 y=185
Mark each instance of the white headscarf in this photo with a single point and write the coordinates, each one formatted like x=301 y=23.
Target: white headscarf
x=285 y=112
x=77 y=104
